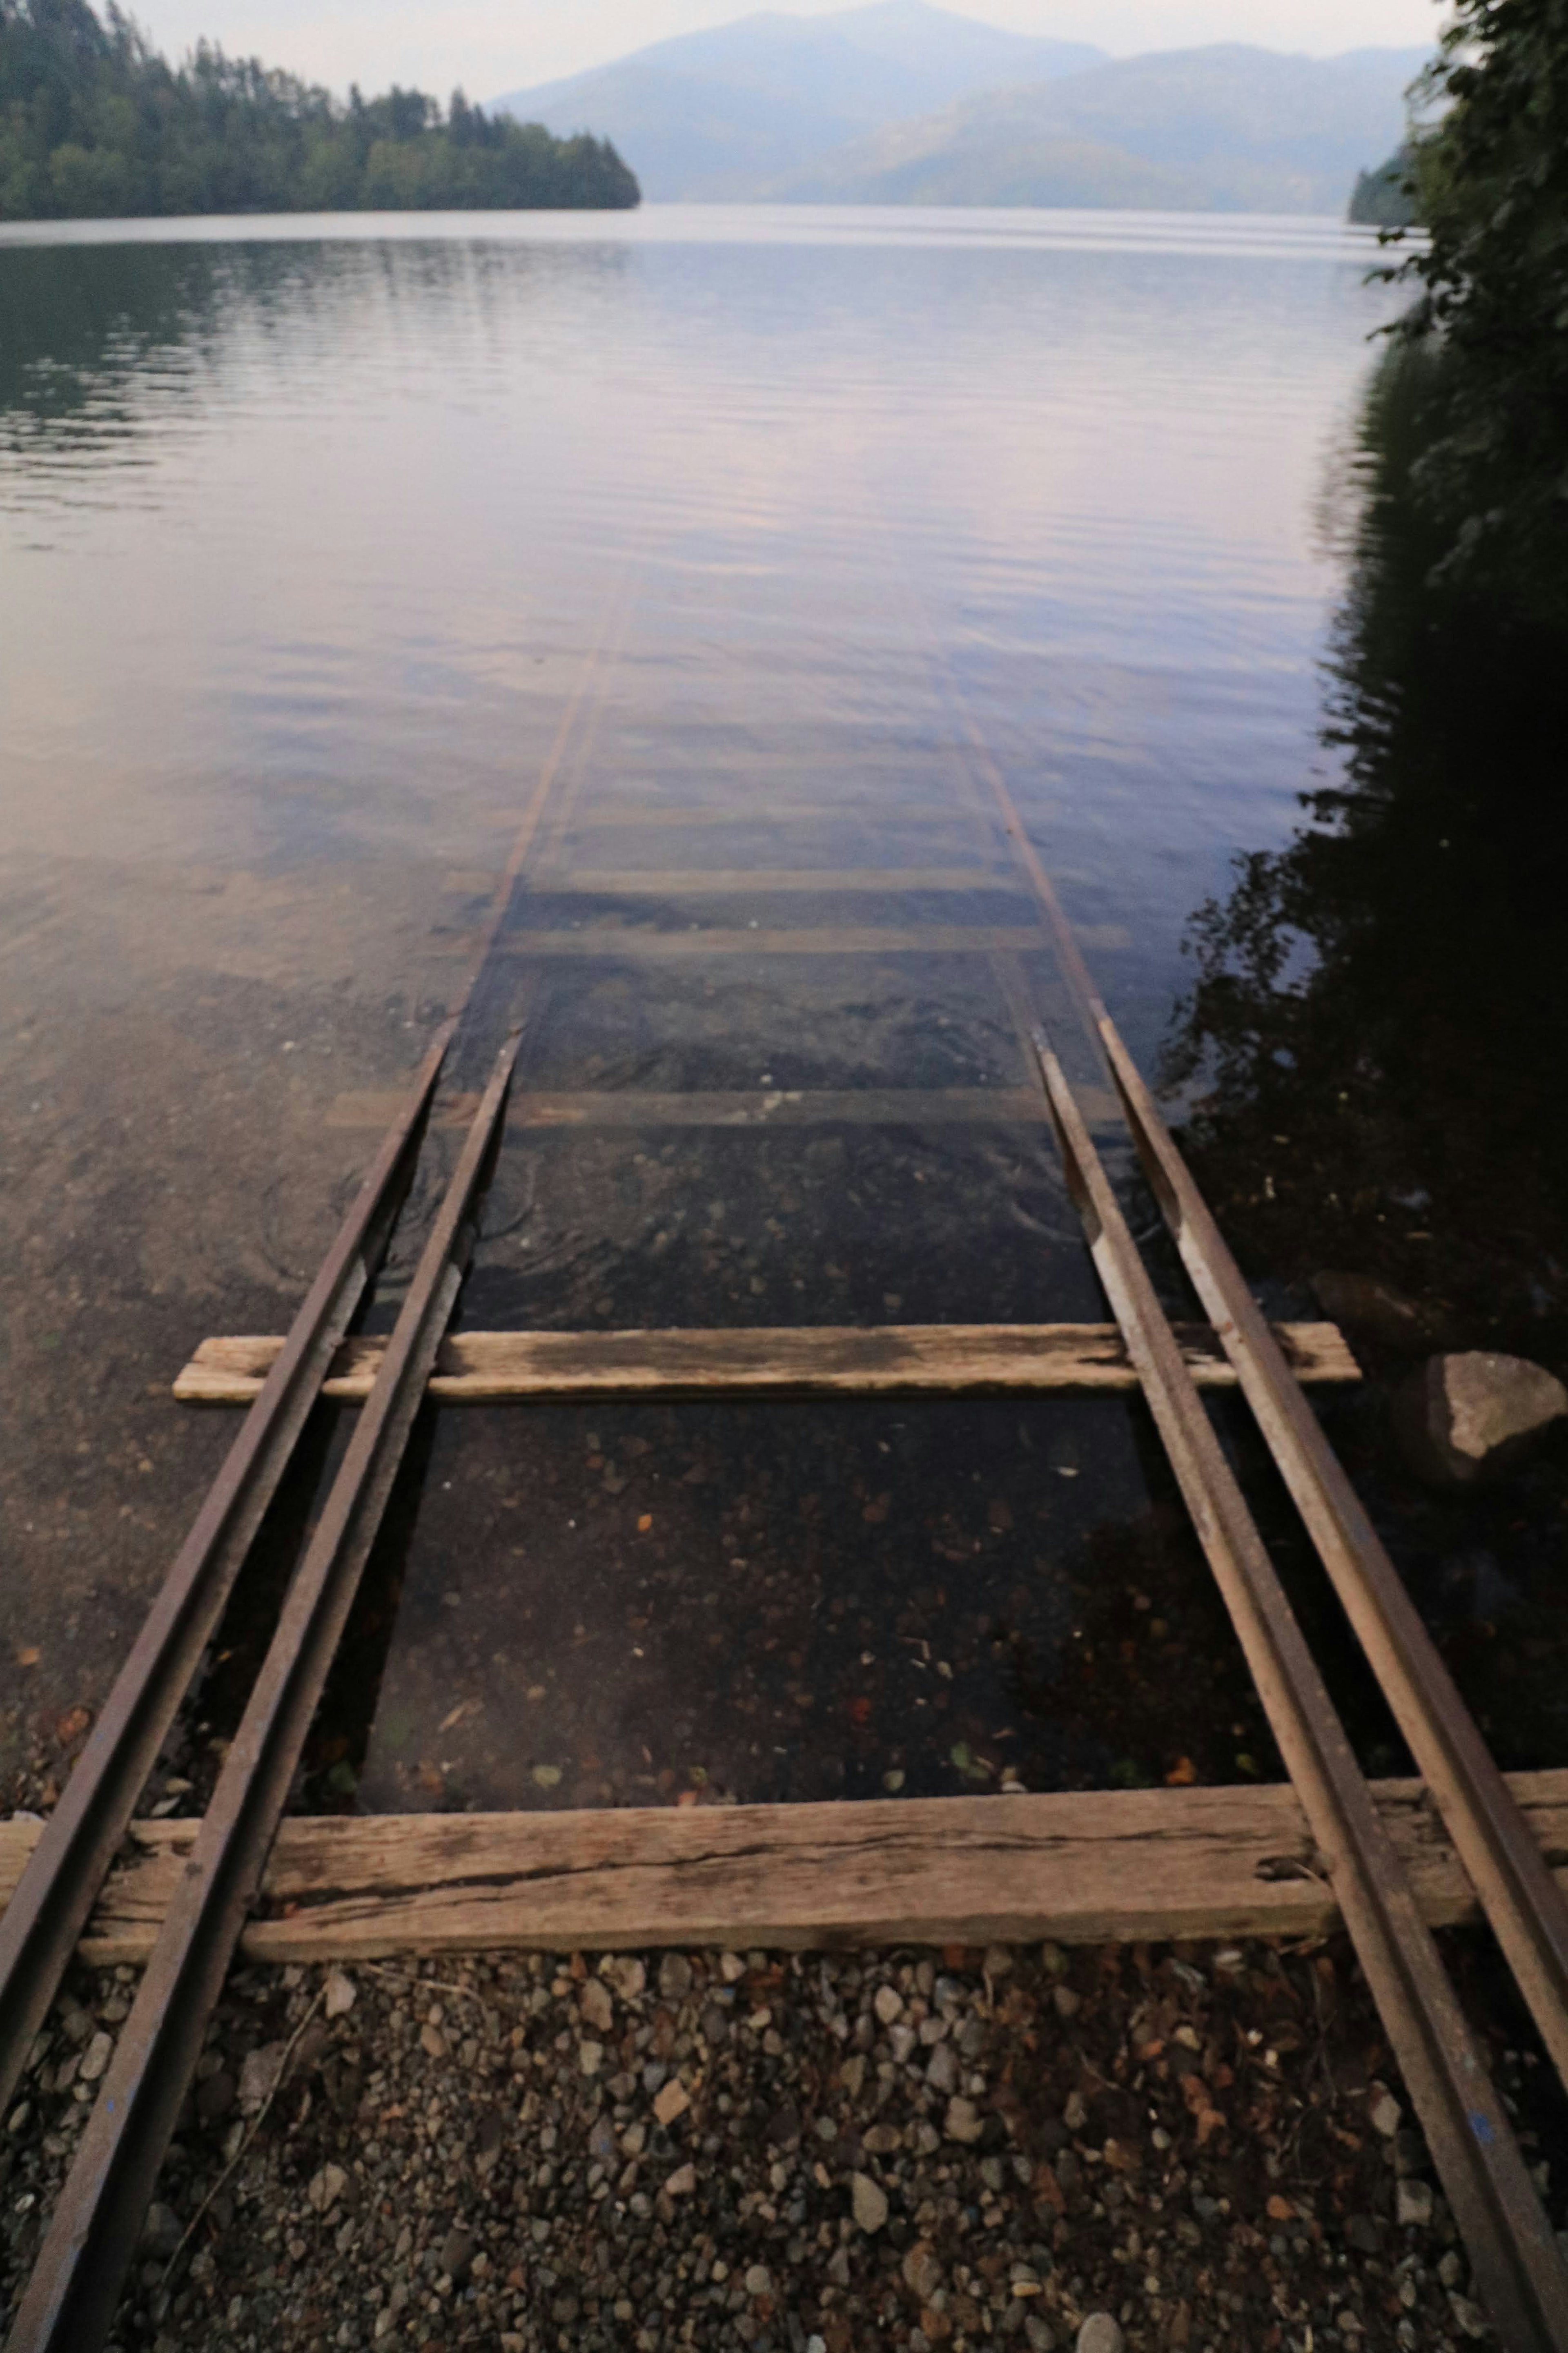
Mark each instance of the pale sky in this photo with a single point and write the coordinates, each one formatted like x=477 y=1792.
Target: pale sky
x=492 y=46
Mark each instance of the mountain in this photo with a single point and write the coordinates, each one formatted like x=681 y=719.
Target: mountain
x=723 y=114
x=1229 y=128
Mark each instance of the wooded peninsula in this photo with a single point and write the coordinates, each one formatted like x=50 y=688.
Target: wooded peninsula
x=94 y=124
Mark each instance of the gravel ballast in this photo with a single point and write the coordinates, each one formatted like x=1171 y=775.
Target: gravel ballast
x=1113 y=2147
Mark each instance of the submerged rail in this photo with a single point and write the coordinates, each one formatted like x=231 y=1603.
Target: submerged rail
x=46 y=1915
x=1517 y=2264
x=71 y=2297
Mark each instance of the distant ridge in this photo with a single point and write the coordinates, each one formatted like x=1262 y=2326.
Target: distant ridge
x=722 y=114
x=1227 y=128
x=902 y=102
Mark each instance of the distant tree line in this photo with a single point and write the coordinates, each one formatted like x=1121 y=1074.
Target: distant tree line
x=1487 y=335
x=95 y=123
x=1387 y=198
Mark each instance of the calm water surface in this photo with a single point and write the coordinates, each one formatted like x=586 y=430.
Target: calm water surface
x=771 y=542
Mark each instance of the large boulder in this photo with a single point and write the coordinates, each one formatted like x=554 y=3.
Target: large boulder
x=1464 y=1419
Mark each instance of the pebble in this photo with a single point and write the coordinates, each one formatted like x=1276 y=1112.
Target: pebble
x=1385 y=2115
x=597 y=2004
x=671 y=2100
x=869 y=2202
x=338 y=1997
x=1100 y=2333
x=1412 y=2204
x=675 y=1977
x=326 y=2188
x=781 y=2186
x=95 y=2059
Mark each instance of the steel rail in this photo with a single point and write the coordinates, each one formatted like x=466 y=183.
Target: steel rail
x=1520 y=1898
x=1517 y=2268
x=70 y=2300
x=1527 y=1910
x=62 y=1878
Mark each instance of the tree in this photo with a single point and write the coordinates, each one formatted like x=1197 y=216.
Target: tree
x=93 y=122
x=1493 y=299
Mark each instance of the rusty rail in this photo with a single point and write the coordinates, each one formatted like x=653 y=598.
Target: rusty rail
x=1517 y=2267
x=1523 y=1903
x=70 y=2299
x=47 y=1914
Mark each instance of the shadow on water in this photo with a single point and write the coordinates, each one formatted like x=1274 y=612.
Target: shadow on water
x=1374 y=1046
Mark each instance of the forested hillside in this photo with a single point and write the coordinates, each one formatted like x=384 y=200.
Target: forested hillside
x=95 y=123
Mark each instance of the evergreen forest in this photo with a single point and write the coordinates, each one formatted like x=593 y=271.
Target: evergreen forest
x=94 y=124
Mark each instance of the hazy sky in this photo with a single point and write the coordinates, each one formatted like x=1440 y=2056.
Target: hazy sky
x=491 y=45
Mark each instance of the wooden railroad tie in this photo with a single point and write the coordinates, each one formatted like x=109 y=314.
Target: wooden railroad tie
x=894 y=1360
x=1088 y=1866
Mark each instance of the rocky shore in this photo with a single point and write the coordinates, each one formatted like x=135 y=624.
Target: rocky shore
x=1137 y=2147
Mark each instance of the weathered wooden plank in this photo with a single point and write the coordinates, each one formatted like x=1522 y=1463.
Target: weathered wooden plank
x=743 y=1107
x=793 y=1107
x=695 y=883
x=644 y=943
x=889 y=1360
x=1086 y=1867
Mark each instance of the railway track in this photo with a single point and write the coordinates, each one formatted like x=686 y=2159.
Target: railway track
x=69 y=2302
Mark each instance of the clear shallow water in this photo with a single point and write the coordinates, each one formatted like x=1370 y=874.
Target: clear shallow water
x=774 y=538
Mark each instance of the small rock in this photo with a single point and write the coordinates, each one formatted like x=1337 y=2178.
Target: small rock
x=997 y=1962
x=759 y=2280
x=1362 y=2232
x=682 y=2182
x=889 y=2004
x=95 y=2058
x=1464 y=1419
x=869 y=2202
x=1384 y=2115
x=921 y=2271
x=1469 y=2317
x=1100 y=2334
x=340 y=1995
x=259 y=2075
x=597 y=2004
x=1075 y=2115
x=1067 y=2003
x=161 y=2232
x=432 y=2041
x=628 y=1976
x=675 y=1977
x=672 y=2101
x=326 y=2188
x=941 y=2068
x=590 y=2057
x=732 y=1967
x=963 y=2121
x=1412 y=2204
x=456 y=2254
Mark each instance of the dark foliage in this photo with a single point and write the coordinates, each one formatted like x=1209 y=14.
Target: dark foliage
x=94 y=124
x=1374 y=1048
x=1493 y=292
x=1381 y=1015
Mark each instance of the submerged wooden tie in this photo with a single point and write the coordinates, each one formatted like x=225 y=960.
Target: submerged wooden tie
x=891 y=1360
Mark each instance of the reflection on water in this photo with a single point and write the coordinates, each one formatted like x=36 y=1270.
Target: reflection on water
x=765 y=550
x=1379 y=1025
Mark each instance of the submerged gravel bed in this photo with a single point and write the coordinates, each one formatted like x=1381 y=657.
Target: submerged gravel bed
x=1127 y=2146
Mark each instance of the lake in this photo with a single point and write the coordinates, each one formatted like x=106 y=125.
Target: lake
x=778 y=551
